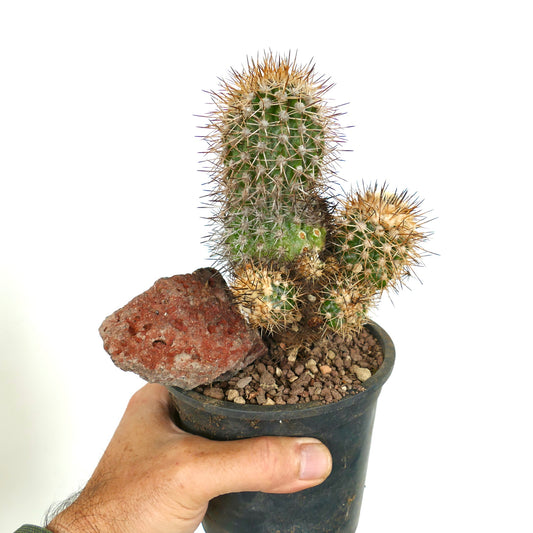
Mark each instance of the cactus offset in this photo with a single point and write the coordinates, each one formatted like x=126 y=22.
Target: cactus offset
x=297 y=263
x=267 y=298
x=378 y=236
x=344 y=306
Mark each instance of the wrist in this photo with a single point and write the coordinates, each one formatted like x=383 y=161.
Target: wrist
x=73 y=521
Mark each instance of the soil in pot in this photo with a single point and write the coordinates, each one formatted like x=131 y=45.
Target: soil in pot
x=324 y=370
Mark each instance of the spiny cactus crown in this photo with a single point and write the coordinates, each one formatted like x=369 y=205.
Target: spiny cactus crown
x=378 y=236
x=296 y=260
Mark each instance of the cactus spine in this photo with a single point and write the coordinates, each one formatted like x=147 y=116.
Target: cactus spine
x=296 y=263
x=273 y=145
x=379 y=237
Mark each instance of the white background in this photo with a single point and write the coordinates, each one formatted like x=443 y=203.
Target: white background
x=100 y=183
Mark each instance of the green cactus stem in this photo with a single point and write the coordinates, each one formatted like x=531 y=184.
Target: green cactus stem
x=298 y=267
x=379 y=236
x=288 y=238
x=273 y=151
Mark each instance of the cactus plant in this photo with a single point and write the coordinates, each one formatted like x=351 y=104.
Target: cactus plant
x=299 y=259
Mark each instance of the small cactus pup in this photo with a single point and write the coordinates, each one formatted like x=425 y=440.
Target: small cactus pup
x=378 y=241
x=300 y=261
x=379 y=236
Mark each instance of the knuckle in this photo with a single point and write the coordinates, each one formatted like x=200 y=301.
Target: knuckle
x=271 y=460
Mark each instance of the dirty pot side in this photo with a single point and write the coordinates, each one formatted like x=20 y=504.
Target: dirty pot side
x=345 y=427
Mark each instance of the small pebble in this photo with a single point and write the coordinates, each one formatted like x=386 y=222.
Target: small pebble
x=362 y=373
x=320 y=371
x=261 y=398
x=261 y=368
x=311 y=365
x=268 y=382
x=212 y=392
x=338 y=362
x=325 y=369
x=243 y=382
x=336 y=394
x=231 y=395
x=292 y=355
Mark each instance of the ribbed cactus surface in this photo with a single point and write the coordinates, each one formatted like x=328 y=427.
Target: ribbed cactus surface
x=273 y=146
x=378 y=236
x=298 y=258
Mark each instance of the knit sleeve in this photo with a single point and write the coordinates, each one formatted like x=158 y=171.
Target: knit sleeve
x=27 y=528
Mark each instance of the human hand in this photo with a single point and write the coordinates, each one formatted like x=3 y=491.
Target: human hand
x=156 y=478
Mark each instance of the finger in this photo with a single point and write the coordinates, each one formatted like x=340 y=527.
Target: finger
x=210 y=468
x=151 y=404
x=267 y=464
x=145 y=424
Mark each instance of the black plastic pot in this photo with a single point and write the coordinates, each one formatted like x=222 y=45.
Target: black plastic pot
x=344 y=427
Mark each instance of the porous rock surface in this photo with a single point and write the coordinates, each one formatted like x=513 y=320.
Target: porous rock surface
x=183 y=331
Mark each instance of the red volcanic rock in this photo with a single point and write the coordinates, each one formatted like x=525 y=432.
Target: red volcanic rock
x=183 y=331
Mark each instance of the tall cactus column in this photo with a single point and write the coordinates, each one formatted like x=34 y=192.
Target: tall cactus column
x=273 y=145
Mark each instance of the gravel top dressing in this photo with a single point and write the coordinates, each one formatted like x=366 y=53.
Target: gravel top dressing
x=324 y=370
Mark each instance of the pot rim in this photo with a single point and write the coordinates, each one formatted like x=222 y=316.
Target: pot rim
x=272 y=412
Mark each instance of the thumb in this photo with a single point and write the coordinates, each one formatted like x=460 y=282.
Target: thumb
x=266 y=464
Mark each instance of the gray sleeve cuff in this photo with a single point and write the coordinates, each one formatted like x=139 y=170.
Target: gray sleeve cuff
x=27 y=528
